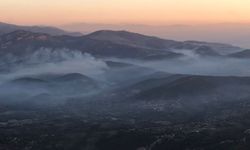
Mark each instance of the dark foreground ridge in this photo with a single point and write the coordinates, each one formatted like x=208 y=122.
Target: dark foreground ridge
x=175 y=112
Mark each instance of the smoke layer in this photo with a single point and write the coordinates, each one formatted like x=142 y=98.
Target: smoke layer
x=60 y=61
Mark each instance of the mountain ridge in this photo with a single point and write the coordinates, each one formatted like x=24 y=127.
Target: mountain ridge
x=242 y=54
x=107 y=43
x=7 y=28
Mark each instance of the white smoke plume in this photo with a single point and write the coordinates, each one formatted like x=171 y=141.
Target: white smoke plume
x=59 y=61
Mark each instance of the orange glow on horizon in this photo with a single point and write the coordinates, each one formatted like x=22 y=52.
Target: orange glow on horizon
x=57 y=12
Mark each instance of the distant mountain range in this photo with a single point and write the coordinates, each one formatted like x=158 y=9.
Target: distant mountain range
x=107 y=43
x=233 y=33
x=7 y=28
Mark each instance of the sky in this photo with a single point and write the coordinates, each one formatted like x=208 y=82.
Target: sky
x=225 y=21
x=152 y=12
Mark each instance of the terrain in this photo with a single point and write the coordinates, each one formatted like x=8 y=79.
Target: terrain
x=118 y=90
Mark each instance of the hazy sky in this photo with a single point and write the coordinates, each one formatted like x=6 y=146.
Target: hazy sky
x=57 y=12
